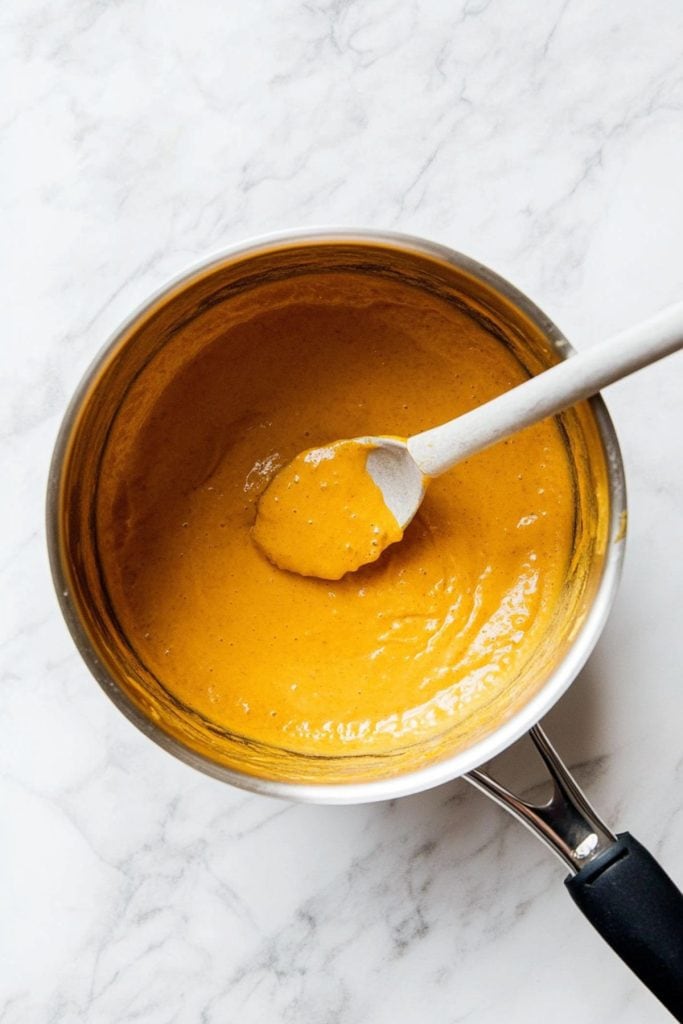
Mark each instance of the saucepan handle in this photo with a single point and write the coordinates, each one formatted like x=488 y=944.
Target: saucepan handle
x=616 y=883
x=638 y=910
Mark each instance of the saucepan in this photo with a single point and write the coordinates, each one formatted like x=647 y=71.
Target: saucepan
x=615 y=882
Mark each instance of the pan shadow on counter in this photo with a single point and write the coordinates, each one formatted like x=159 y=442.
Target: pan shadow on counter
x=436 y=889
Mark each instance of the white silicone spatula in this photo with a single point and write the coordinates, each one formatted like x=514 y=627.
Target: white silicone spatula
x=402 y=469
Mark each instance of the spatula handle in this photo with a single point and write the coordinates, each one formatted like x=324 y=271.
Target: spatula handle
x=570 y=381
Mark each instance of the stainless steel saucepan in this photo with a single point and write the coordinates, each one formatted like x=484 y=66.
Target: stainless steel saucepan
x=614 y=880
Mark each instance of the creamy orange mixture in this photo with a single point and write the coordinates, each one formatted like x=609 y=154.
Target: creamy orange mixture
x=323 y=515
x=403 y=648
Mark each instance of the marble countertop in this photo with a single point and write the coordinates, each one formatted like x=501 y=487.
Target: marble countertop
x=544 y=139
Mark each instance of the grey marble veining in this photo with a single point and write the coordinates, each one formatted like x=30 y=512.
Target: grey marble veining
x=136 y=137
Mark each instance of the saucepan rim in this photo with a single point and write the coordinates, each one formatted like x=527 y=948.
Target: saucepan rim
x=506 y=733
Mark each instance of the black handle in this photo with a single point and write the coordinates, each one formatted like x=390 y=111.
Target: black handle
x=638 y=910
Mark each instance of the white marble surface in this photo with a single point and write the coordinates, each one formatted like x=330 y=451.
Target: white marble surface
x=546 y=139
